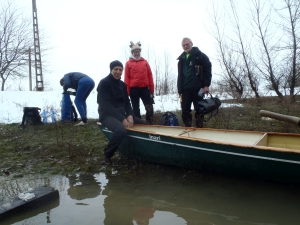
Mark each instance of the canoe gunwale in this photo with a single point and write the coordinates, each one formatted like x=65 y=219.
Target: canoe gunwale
x=187 y=130
x=205 y=140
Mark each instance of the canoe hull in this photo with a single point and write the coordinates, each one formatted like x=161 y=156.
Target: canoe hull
x=206 y=155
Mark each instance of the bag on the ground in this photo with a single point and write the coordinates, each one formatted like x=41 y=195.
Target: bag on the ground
x=169 y=119
x=31 y=116
x=208 y=105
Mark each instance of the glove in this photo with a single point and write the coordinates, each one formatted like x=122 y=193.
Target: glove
x=152 y=99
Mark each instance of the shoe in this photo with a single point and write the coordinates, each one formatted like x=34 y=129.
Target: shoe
x=107 y=161
x=80 y=124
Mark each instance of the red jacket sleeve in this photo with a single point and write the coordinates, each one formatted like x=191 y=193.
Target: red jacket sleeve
x=127 y=77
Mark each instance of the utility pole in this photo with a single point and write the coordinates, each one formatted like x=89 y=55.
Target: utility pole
x=37 y=50
x=30 y=79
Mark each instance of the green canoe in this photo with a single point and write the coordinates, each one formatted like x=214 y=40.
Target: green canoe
x=270 y=156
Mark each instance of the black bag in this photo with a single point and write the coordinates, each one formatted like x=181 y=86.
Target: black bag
x=31 y=116
x=169 y=119
x=208 y=105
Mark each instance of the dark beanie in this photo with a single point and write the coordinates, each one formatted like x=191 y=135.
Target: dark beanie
x=61 y=81
x=115 y=63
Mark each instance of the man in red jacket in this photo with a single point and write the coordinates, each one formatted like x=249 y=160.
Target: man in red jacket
x=139 y=80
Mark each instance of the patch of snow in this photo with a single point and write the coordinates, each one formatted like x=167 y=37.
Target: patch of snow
x=12 y=103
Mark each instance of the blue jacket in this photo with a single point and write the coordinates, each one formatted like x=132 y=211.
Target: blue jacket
x=71 y=80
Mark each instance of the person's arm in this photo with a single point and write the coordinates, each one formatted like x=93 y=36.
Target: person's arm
x=150 y=78
x=67 y=82
x=179 y=77
x=128 y=108
x=127 y=77
x=206 y=69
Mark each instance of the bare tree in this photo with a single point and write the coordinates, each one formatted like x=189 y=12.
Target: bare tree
x=156 y=68
x=168 y=81
x=245 y=51
x=290 y=15
x=266 y=61
x=165 y=80
x=232 y=77
x=126 y=53
x=15 y=40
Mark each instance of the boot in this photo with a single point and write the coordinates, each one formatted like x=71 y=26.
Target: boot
x=187 y=119
x=199 y=120
x=109 y=155
x=149 y=113
x=107 y=158
x=107 y=161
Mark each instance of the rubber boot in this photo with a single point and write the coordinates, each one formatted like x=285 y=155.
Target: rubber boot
x=199 y=120
x=187 y=119
x=149 y=114
x=108 y=155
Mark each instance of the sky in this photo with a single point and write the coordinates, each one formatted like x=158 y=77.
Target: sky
x=85 y=36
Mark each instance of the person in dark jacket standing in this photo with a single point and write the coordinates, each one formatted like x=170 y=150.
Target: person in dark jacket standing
x=114 y=108
x=194 y=73
x=83 y=85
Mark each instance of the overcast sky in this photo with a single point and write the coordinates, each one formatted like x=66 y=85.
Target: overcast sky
x=86 y=35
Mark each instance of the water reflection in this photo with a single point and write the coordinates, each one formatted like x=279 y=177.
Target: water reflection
x=159 y=197
x=122 y=207
x=142 y=215
x=83 y=186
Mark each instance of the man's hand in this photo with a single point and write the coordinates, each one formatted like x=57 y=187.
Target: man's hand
x=125 y=123
x=130 y=121
x=206 y=90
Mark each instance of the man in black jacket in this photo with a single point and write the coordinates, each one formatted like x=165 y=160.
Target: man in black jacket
x=115 y=111
x=194 y=73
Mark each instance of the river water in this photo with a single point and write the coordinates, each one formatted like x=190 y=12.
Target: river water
x=164 y=196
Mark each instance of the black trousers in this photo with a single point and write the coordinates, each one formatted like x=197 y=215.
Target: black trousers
x=136 y=94
x=190 y=96
x=119 y=133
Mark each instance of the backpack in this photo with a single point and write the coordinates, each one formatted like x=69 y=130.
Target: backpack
x=169 y=119
x=31 y=116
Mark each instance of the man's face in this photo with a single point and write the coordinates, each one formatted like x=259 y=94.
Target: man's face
x=117 y=72
x=187 y=46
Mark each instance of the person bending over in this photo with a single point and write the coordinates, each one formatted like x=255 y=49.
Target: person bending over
x=83 y=85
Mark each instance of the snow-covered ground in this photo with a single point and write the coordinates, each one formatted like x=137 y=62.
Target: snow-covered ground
x=12 y=103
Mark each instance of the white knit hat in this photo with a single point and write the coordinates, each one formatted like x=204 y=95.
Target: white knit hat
x=135 y=46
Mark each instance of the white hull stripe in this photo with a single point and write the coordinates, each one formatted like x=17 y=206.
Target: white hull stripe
x=214 y=150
